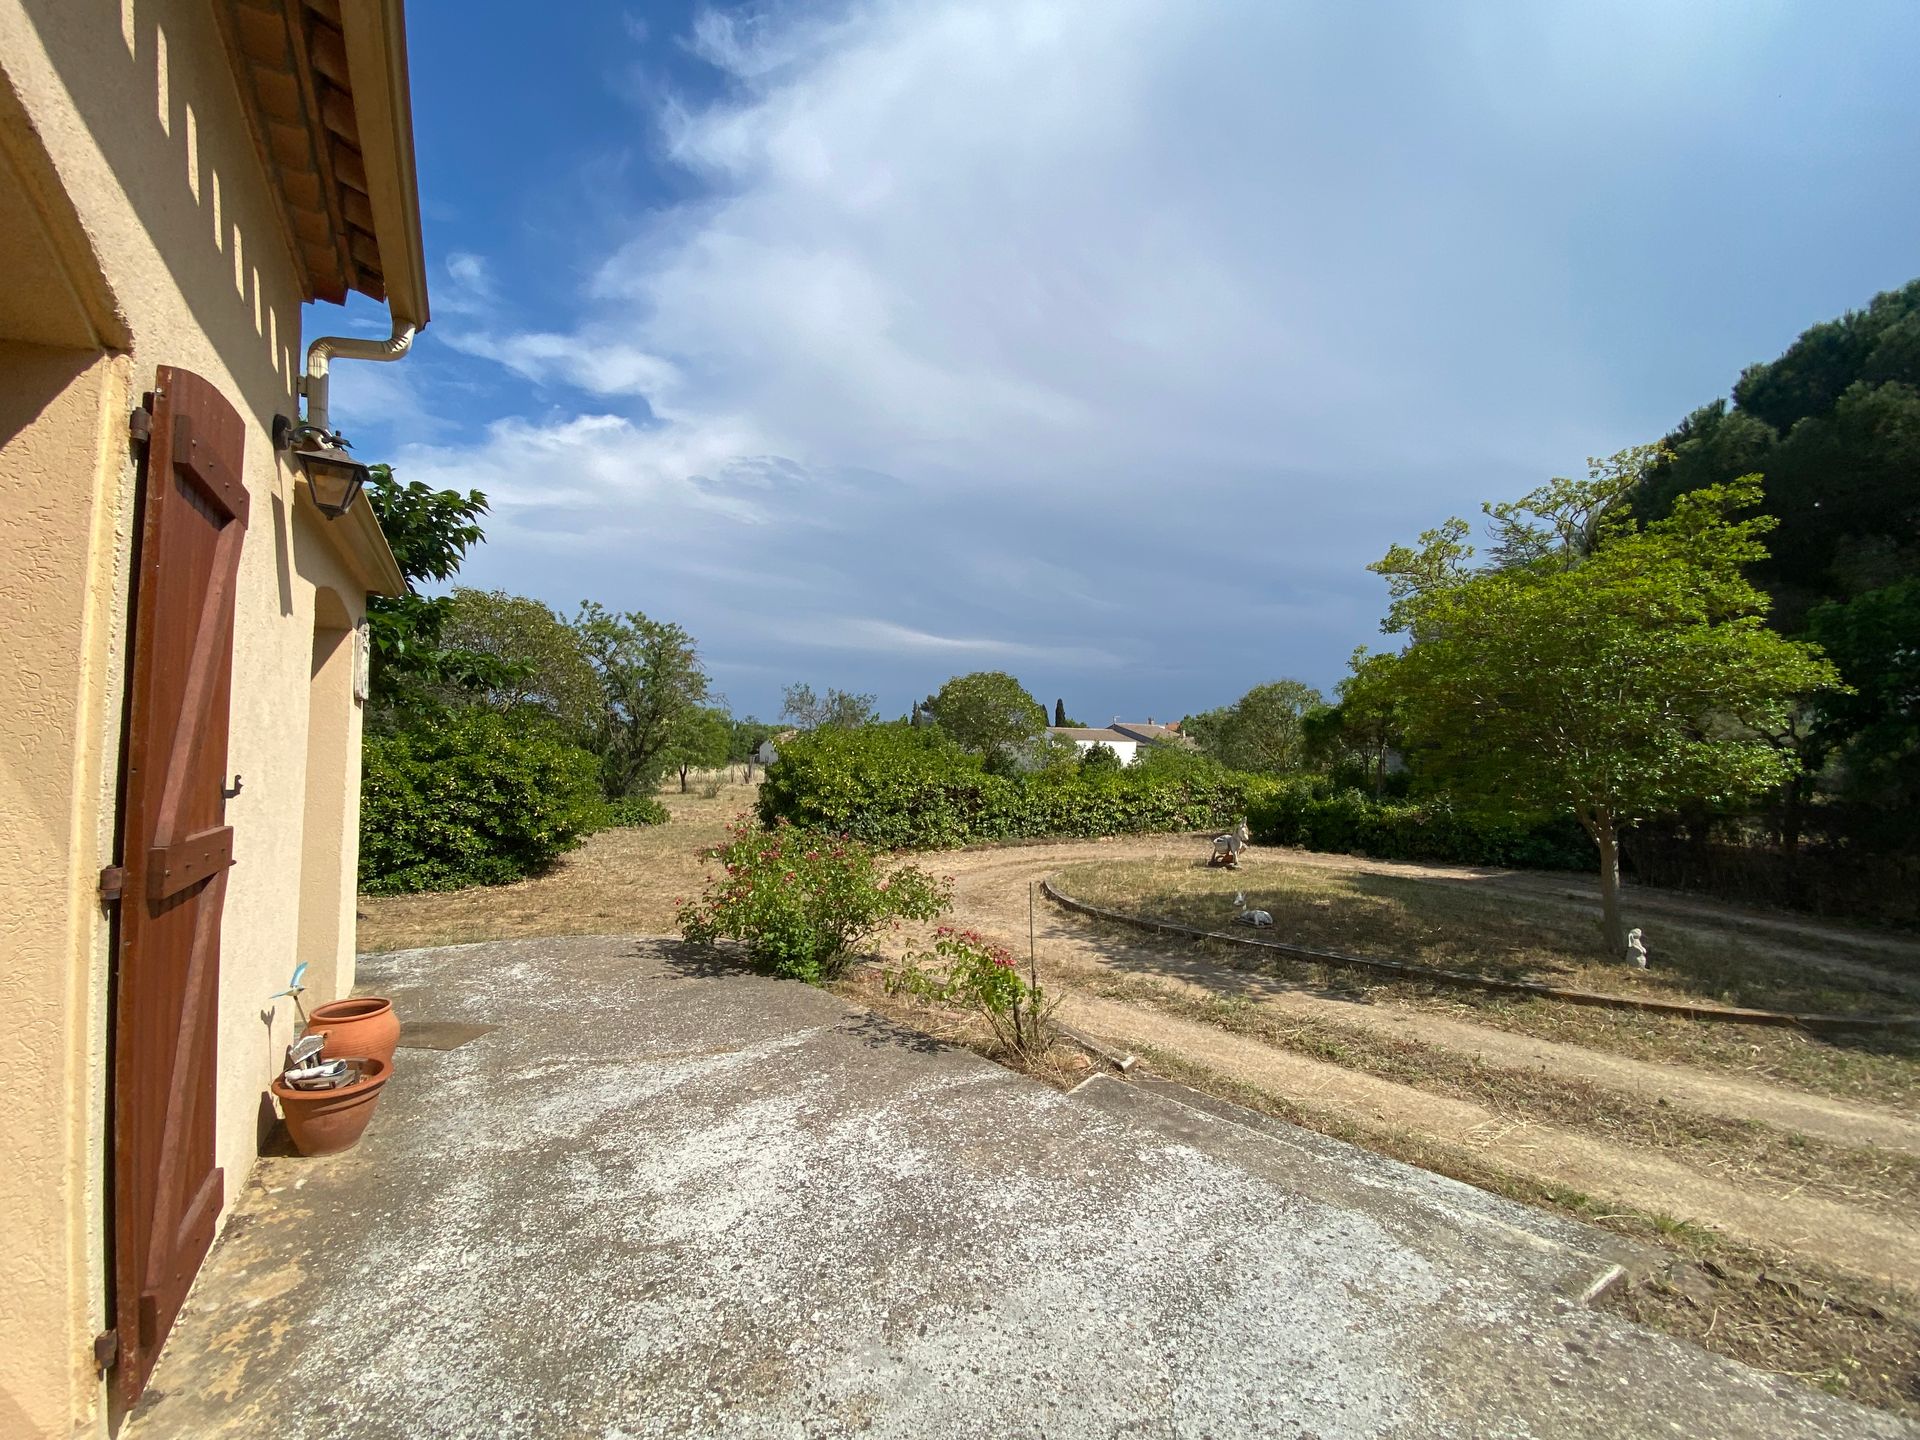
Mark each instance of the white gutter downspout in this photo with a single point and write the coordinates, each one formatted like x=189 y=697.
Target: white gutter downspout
x=320 y=356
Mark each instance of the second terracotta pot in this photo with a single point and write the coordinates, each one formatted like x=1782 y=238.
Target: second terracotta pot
x=363 y=1027
x=325 y=1122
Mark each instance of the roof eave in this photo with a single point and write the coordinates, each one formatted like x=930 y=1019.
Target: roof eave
x=376 y=41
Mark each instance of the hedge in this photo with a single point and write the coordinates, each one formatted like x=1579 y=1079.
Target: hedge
x=473 y=798
x=1315 y=816
x=908 y=788
x=905 y=787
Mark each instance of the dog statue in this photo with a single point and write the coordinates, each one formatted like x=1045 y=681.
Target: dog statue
x=1227 y=848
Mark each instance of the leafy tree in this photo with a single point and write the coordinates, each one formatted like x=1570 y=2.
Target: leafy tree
x=1261 y=731
x=1874 y=639
x=1618 y=685
x=841 y=708
x=1100 y=757
x=1361 y=732
x=1059 y=713
x=1559 y=523
x=700 y=742
x=542 y=663
x=988 y=713
x=650 y=679
x=1834 y=426
x=430 y=532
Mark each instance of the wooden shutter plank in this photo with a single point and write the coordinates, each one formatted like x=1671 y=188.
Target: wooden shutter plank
x=176 y=850
x=172 y=868
x=204 y=462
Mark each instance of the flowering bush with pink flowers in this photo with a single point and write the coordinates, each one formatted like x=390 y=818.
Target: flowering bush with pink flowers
x=803 y=901
x=972 y=972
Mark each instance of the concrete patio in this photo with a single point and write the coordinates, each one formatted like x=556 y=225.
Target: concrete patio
x=647 y=1195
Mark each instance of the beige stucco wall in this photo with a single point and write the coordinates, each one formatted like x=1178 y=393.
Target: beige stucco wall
x=56 y=590
x=132 y=109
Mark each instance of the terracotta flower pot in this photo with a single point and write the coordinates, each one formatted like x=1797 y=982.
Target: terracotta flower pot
x=325 y=1122
x=364 y=1028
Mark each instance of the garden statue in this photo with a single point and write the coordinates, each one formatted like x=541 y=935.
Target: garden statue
x=1636 y=949
x=1227 y=848
x=1256 y=918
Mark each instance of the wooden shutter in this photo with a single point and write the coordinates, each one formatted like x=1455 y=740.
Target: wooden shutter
x=175 y=847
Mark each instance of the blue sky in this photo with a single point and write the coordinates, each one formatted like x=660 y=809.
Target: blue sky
x=1103 y=342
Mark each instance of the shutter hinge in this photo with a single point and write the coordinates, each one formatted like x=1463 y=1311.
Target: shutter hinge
x=140 y=425
x=113 y=880
x=106 y=1349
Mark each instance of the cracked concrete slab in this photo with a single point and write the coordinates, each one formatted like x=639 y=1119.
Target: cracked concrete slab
x=663 y=1197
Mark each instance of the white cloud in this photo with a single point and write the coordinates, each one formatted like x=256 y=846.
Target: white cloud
x=886 y=638
x=469 y=287
x=597 y=364
x=1123 y=328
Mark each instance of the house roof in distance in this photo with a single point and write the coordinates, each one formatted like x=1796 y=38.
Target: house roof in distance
x=1088 y=736
x=1147 y=733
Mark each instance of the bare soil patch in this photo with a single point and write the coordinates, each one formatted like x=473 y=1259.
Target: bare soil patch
x=1722 y=1147
x=620 y=881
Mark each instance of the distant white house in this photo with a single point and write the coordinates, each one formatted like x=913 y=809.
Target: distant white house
x=1123 y=737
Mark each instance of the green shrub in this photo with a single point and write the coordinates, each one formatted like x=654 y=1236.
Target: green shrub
x=902 y=787
x=470 y=799
x=632 y=810
x=1317 y=816
x=802 y=900
x=967 y=970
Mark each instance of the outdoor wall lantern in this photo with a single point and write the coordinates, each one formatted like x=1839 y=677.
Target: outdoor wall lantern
x=333 y=476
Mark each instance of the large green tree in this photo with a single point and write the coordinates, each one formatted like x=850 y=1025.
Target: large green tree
x=1357 y=736
x=1874 y=639
x=988 y=712
x=650 y=678
x=430 y=532
x=542 y=666
x=1833 y=425
x=1618 y=679
x=1261 y=731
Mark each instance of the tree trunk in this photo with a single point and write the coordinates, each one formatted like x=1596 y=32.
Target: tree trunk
x=683 y=779
x=1792 y=814
x=1608 y=843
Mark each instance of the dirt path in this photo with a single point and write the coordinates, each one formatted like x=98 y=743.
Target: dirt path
x=992 y=894
x=1767 y=1214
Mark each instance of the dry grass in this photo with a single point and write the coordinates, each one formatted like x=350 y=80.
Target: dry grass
x=1867 y=1177
x=1501 y=934
x=1528 y=938
x=621 y=882
x=1763 y=1309
x=1880 y=1068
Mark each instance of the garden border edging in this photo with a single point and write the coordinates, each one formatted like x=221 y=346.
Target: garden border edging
x=1728 y=1013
